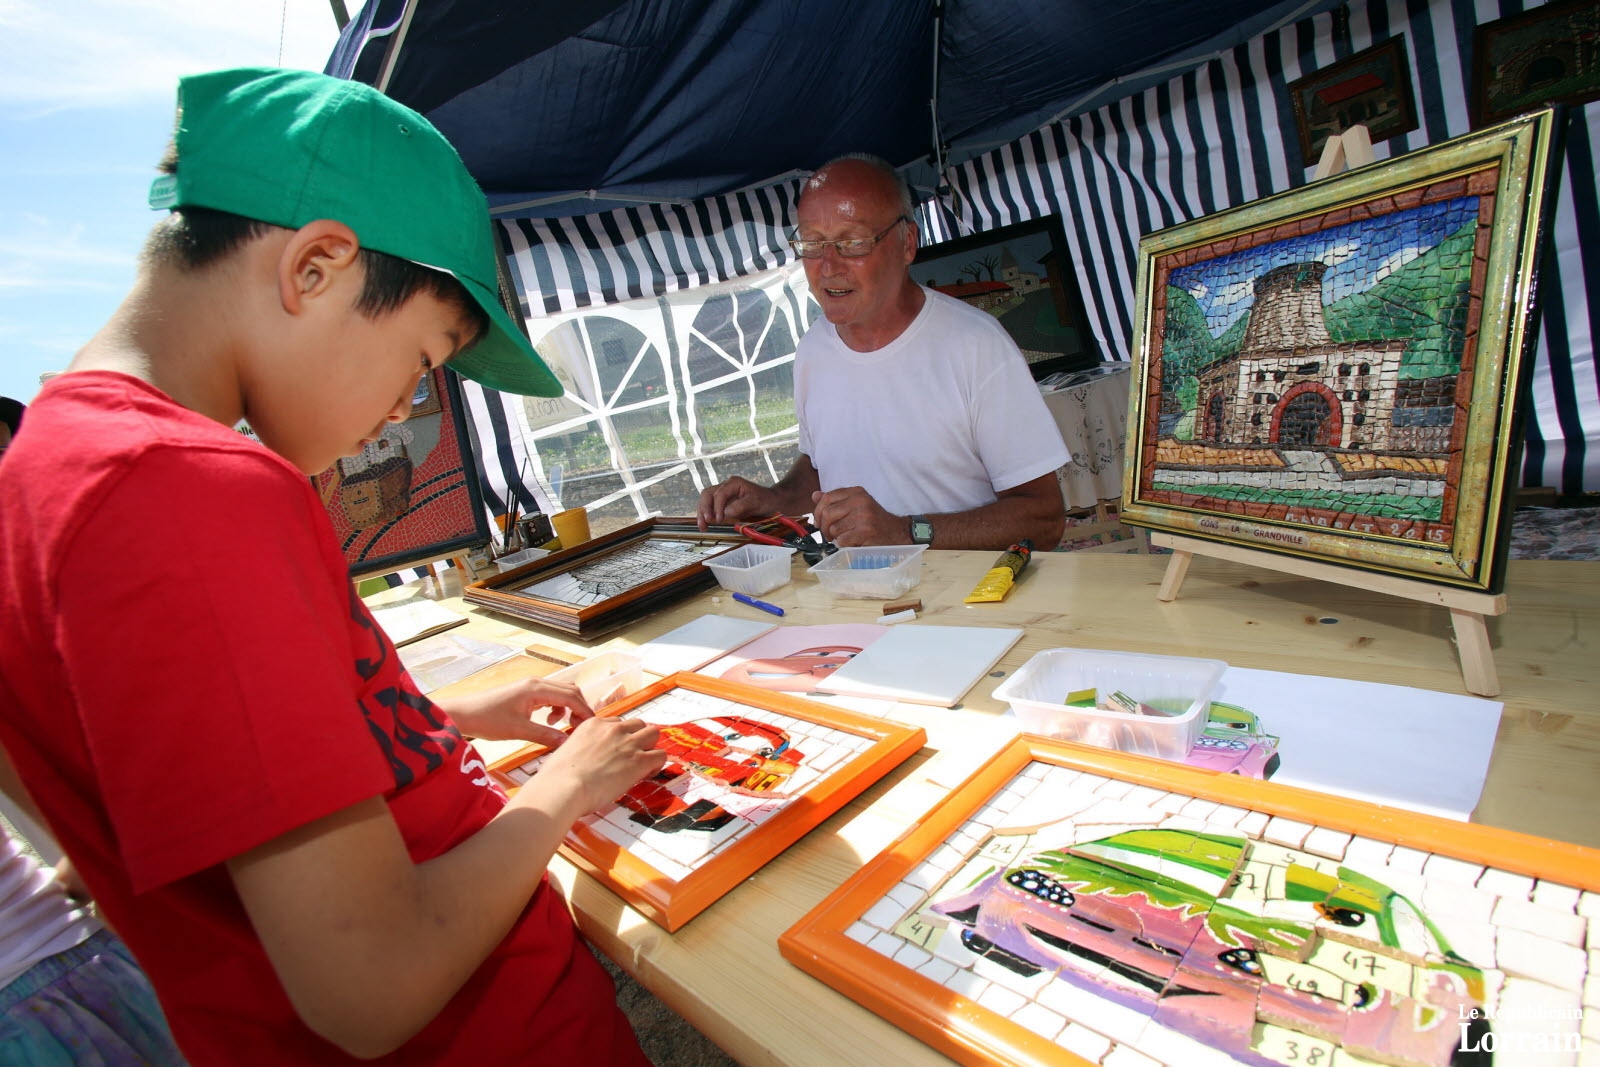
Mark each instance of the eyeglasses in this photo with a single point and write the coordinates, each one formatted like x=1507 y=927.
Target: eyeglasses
x=850 y=248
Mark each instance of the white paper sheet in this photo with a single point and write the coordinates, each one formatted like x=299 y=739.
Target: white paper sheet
x=694 y=644
x=1389 y=744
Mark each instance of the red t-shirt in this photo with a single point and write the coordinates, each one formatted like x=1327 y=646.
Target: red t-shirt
x=185 y=674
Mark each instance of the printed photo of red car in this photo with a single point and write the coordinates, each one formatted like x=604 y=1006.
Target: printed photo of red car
x=798 y=672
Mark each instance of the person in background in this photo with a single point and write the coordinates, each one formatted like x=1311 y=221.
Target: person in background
x=919 y=421
x=303 y=851
x=71 y=994
x=10 y=421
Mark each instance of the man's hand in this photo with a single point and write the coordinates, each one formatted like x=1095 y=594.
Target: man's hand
x=851 y=517
x=526 y=710
x=736 y=500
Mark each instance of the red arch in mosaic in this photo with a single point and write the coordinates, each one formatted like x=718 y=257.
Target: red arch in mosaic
x=1333 y=427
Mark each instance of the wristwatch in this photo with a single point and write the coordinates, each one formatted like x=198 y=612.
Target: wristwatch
x=921 y=530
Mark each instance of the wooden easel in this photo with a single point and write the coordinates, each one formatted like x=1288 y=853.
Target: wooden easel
x=1468 y=609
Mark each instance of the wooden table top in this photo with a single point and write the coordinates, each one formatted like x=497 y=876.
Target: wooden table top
x=723 y=972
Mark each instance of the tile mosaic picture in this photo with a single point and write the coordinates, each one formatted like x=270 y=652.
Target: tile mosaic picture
x=1371 y=88
x=1116 y=921
x=615 y=578
x=619 y=572
x=1547 y=54
x=1320 y=375
x=1326 y=376
x=739 y=763
x=407 y=496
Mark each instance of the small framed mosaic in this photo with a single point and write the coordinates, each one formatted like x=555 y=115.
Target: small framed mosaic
x=1334 y=372
x=1065 y=903
x=410 y=496
x=595 y=587
x=1371 y=88
x=749 y=773
x=1545 y=55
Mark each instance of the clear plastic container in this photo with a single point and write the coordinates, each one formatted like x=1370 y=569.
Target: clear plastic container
x=604 y=679
x=516 y=559
x=880 y=572
x=752 y=569
x=1176 y=685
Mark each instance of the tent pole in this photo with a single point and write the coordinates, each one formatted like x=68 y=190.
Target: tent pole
x=391 y=55
x=941 y=188
x=341 y=14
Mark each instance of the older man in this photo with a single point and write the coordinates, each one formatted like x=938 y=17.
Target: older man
x=919 y=421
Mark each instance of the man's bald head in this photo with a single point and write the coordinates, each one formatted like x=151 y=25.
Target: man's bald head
x=863 y=171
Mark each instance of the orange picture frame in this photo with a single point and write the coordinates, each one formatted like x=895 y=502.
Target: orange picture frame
x=895 y=983
x=735 y=794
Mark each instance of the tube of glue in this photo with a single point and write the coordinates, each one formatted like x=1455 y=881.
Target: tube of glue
x=998 y=581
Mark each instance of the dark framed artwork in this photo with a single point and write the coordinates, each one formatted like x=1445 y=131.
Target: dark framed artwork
x=1023 y=276
x=410 y=496
x=1549 y=55
x=1334 y=372
x=425 y=401
x=1371 y=88
x=1067 y=905
x=750 y=772
x=595 y=587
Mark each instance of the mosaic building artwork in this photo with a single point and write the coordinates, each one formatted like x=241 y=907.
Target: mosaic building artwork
x=1325 y=381
x=1324 y=373
x=735 y=768
x=1090 y=918
x=407 y=497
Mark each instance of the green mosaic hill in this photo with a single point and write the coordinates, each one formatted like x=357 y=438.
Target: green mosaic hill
x=1424 y=302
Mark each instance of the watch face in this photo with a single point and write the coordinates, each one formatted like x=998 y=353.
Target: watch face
x=921 y=532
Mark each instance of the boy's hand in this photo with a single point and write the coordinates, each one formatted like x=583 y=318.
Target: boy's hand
x=532 y=709
x=602 y=758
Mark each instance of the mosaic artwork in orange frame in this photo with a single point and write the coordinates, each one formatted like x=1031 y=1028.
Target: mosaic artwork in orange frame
x=1066 y=902
x=750 y=772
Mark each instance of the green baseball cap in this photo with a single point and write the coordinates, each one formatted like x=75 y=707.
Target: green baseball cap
x=288 y=147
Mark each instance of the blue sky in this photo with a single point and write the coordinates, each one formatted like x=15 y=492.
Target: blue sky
x=1359 y=255
x=86 y=107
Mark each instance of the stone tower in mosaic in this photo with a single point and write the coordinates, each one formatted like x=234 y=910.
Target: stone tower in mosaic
x=1288 y=309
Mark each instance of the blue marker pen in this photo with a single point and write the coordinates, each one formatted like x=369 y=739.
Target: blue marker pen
x=762 y=604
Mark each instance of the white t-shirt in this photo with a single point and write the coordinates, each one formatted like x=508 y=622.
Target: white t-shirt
x=937 y=421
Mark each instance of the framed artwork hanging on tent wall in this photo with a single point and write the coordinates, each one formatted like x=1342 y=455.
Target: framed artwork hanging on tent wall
x=1067 y=905
x=1371 y=88
x=410 y=496
x=749 y=773
x=1023 y=276
x=1548 y=55
x=1333 y=372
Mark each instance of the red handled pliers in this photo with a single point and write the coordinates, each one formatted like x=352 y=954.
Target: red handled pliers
x=806 y=540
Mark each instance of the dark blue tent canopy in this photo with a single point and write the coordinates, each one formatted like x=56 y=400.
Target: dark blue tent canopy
x=563 y=109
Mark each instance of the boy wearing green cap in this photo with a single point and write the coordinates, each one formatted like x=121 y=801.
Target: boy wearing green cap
x=304 y=853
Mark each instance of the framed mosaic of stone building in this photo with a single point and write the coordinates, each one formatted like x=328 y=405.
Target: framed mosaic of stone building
x=1335 y=372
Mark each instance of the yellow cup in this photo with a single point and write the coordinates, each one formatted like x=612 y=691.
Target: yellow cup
x=571 y=526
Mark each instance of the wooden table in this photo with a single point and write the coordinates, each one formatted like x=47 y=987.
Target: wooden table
x=723 y=972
